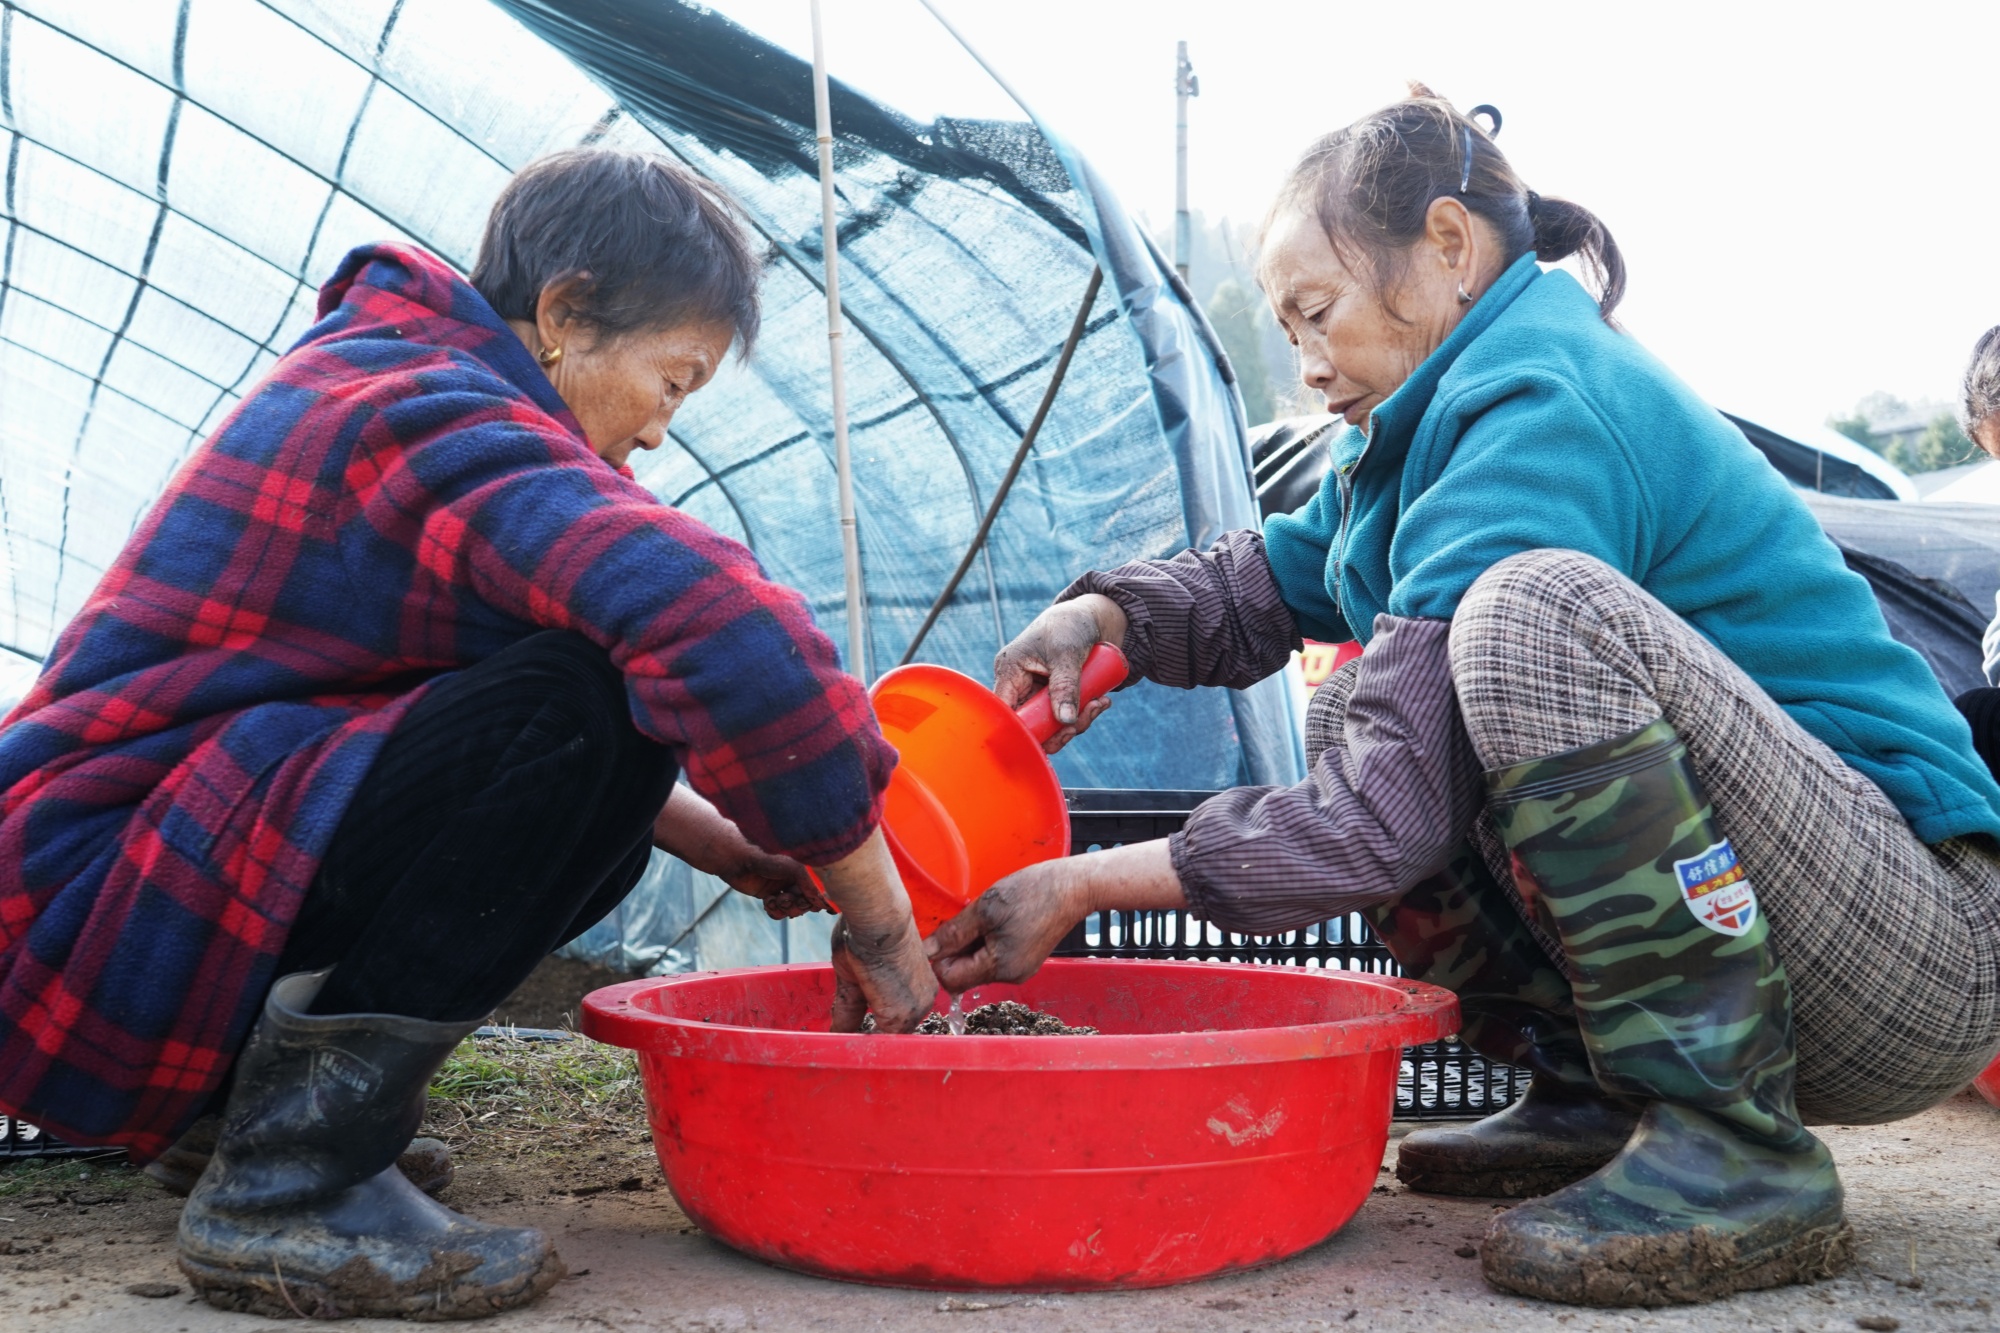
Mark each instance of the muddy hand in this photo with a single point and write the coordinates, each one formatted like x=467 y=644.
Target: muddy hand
x=886 y=974
x=1049 y=654
x=1009 y=931
x=699 y=834
x=780 y=882
x=878 y=957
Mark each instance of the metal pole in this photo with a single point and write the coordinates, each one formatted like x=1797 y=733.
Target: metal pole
x=843 y=464
x=1186 y=85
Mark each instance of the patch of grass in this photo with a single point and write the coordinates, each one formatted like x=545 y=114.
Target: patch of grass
x=507 y=1098
x=556 y=1109
x=497 y=1099
x=31 y=1176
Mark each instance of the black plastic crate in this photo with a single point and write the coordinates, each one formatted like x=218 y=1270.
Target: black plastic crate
x=21 y=1141
x=1441 y=1080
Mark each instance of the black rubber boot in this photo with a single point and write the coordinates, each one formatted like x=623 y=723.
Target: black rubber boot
x=1554 y=1135
x=1462 y=930
x=426 y=1162
x=301 y=1212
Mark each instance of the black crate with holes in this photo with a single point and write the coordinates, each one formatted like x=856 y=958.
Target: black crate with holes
x=21 y=1141
x=1441 y=1080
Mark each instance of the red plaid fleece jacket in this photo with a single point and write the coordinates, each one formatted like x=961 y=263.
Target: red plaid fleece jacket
x=404 y=495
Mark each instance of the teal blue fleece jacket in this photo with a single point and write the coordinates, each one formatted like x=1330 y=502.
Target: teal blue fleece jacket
x=1537 y=426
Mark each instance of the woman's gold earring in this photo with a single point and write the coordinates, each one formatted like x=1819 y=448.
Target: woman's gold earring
x=1464 y=297
x=548 y=356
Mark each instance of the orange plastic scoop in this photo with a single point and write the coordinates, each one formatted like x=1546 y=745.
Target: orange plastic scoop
x=974 y=798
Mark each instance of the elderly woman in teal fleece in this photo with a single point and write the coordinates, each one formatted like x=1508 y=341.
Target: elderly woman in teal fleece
x=1631 y=762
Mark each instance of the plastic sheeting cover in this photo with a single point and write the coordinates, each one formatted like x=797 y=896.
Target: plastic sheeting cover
x=180 y=175
x=1935 y=569
x=964 y=246
x=1862 y=476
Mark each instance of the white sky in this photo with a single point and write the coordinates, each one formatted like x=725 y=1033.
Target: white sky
x=1808 y=195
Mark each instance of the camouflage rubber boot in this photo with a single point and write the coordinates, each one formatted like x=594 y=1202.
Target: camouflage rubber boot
x=1461 y=930
x=1682 y=1003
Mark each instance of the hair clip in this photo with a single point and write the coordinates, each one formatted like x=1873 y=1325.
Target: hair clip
x=1465 y=174
x=1492 y=113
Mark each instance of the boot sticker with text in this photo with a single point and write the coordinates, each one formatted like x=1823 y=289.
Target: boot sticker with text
x=1717 y=890
x=337 y=1081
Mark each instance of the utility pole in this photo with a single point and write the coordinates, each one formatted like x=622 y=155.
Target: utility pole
x=1186 y=85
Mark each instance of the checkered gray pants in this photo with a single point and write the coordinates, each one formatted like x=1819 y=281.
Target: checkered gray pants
x=1892 y=946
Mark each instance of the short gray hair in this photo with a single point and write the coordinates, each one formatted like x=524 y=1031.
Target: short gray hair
x=1981 y=397
x=649 y=244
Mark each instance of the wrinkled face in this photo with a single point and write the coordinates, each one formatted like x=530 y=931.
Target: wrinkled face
x=625 y=389
x=1986 y=434
x=1352 y=350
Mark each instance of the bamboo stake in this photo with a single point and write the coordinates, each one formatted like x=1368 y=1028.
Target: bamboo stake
x=843 y=463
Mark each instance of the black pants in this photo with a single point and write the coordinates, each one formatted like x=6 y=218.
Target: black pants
x=1982 y=712
x=509 y=812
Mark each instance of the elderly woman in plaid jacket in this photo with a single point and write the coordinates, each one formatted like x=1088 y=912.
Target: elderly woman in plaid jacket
x=1630 y=762
x=385 y=700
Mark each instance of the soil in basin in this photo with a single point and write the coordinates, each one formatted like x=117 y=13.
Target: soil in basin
x=1004 y=1018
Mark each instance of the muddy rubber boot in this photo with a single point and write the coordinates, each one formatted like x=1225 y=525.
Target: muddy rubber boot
x=178 y=1168
x=301 y=1211
x=1682 y=1003
x=1554 y=1135
x=426 y=1162
x=1460 y=929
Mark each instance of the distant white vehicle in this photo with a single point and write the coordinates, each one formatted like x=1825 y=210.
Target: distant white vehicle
x=1289 y=458
x=1980 y=486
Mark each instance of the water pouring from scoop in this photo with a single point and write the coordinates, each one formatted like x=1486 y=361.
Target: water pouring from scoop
x=954 y=1017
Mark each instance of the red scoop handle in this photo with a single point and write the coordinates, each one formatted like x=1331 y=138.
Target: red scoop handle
x=1103 y=671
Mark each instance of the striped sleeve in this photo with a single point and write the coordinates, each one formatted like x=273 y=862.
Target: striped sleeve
x=1213 y=617
x=1381 y=811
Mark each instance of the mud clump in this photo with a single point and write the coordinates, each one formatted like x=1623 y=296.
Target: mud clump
x=1007 y=1018
x=1004 y=1018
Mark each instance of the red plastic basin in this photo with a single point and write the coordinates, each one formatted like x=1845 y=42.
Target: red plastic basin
x=1229 y=1117
x=1987 y=1085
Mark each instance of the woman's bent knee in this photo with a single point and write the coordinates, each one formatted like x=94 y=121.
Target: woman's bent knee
x=563 y=663
x=554 y=682
x=1512 y=605
x=1550 y=651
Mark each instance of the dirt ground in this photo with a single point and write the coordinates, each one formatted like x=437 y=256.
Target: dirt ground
x=552 y=992
x=79 y=1241
x=553 y=1135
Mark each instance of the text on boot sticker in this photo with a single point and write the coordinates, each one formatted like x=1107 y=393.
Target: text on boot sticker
x=336 y=1082
x=1717 y=890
